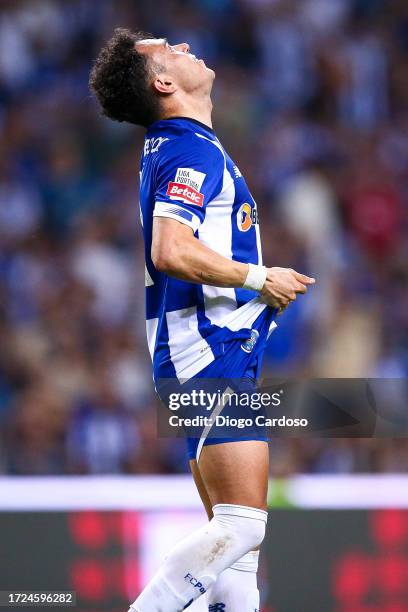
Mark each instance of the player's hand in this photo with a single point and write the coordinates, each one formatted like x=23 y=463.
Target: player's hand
x=282 y=286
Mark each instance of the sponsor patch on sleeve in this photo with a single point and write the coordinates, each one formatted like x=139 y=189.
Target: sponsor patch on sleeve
x=186 y=186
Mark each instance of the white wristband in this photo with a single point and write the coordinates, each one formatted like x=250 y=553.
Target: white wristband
x=256 y=278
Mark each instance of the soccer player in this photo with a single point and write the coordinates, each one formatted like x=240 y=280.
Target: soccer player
x=210 y=302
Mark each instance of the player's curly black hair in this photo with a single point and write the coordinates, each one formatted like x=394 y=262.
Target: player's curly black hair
x=120 y=80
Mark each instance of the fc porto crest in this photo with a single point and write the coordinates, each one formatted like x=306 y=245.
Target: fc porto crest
x=249 y=344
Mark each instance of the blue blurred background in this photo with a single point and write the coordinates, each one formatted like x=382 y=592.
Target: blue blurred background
x=311 y=101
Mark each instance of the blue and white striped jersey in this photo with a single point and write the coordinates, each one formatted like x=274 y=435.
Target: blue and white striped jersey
x=187 y=175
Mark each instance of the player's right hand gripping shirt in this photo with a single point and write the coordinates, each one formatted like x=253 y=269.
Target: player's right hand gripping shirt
x=186 y=175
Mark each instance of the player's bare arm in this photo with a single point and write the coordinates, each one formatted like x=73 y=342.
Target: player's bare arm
x=178 y=253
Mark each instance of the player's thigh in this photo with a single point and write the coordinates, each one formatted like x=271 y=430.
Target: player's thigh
x=236 y=473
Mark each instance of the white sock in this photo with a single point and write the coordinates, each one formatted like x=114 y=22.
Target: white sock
x=236 y=588
x=194 y=564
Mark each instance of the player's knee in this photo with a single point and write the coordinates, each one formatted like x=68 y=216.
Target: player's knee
x=257 y=534
x=242 y=527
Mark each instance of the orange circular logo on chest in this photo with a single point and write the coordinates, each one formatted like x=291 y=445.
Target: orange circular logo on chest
x=244 y=217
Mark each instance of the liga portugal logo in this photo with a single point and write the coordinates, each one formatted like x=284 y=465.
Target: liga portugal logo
x=187 y=187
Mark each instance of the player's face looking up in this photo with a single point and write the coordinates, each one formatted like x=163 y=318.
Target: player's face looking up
x=175 y=68
x=141 y=79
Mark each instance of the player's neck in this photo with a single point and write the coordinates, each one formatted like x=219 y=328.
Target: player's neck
x=200 y=110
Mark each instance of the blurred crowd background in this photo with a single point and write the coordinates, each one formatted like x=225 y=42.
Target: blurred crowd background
x=311 y=101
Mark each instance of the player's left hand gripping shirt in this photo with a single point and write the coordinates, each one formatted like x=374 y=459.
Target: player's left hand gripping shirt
x=186 y=175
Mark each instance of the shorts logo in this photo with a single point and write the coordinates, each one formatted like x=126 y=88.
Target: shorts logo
x=247 y=217
x=249 y=344
x=218 y=607
x=186 y=186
